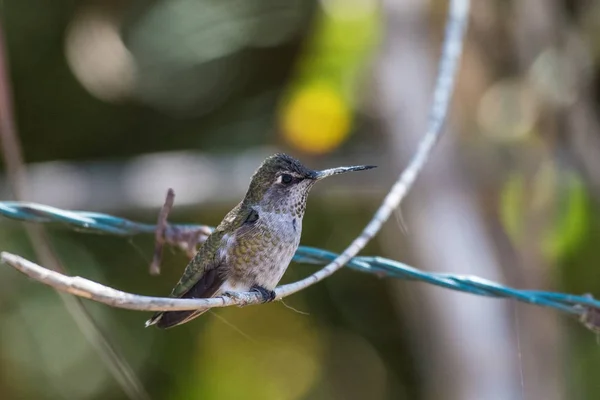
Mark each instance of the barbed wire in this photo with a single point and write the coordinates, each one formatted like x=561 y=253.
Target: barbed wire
x=586 y=307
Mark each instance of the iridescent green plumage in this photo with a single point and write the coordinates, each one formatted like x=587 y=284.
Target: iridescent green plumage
x=207 y=258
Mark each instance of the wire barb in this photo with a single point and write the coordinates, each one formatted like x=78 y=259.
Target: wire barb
x=590 y=315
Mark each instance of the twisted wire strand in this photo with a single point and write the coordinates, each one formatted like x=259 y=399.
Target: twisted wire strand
x=92 y=222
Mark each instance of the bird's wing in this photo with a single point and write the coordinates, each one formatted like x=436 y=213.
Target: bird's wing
x=196 y=275
x=204 y=275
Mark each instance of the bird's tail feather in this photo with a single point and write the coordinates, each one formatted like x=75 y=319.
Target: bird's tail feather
x=170 y=319
x=208 y=285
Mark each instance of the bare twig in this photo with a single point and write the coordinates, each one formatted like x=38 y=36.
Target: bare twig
x=187 y=238
x=451 y=51
x=15 y=165
x=103 y=294
x=161 y=227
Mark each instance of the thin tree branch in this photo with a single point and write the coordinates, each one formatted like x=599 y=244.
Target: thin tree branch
x=88 y=289
x=451 y=52
x=456 y=27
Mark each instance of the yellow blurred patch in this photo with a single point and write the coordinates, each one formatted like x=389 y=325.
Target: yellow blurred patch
x=316 y=119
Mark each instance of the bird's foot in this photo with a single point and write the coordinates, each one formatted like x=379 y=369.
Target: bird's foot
x=238 y=297
x=267 y=295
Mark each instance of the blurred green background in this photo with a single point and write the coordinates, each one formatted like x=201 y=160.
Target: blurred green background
x=118 y=100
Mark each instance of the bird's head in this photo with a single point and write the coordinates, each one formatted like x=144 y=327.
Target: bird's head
x=282 y=181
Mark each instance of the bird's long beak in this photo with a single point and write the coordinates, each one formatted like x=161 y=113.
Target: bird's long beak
x=341 y=170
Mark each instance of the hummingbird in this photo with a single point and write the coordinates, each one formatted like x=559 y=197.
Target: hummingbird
x=252 y=247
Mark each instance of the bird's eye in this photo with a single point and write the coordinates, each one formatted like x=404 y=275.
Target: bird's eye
x=286 y=179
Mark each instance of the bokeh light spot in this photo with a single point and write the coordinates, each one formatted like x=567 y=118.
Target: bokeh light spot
x=508 y=111
x=317 y=119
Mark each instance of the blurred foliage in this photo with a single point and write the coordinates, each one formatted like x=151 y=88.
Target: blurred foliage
x=209 y=54
x=317 y=113
x=550 y=189
x=96 y=80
